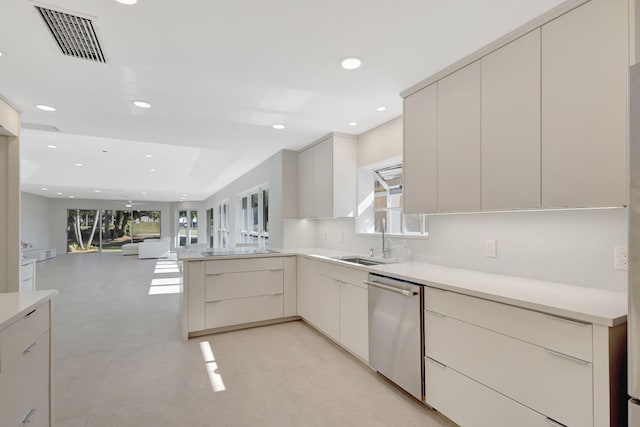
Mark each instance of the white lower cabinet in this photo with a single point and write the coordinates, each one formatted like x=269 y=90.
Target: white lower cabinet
x=334 y=299
x=493 y=364
x=469 y=403
x=25 y=375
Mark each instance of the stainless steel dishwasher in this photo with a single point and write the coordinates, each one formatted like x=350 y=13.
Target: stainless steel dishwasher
x=395 y=332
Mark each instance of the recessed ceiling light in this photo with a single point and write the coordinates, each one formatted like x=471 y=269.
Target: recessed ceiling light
x=51 y=146
x=144 y=193
x=184 y=195
x=278 y=127
x=353 y=123
x=105 y=151
x=142 y=104
x=127 y=2
x=381 y=109
x=96 y=191
x=152 y=170
x=0 y=53
x=44 y=188
x=128 y=205
x=45 y=107
x=79 y=164
x=351 y=63
x=59 y=194
x=71 y=197
x=148 y=156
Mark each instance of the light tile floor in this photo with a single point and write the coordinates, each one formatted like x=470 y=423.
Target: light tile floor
x=119 y=360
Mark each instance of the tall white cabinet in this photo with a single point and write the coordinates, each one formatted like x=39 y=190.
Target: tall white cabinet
x=585 y=55
x=327 y=178
x=9 y=198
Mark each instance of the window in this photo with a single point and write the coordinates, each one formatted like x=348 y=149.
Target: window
x=223 y=224
x=381 y=203
x=254 y=208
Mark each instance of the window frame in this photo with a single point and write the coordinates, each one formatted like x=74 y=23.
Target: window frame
x=254 y=228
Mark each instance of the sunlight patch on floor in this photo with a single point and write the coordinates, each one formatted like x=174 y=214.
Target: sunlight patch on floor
x=166 y=266
x=215 y=378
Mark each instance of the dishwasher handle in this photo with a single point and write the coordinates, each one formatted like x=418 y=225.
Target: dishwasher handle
x=404 y=292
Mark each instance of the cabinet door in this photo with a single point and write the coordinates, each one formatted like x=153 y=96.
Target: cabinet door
x=421 y=151
x=305 y=184
x=511 y=125
x=306 y=291
x=354 y=319
x=323 y=179
x=459 y=140
x=195 y=304
x=328 y=300
x=585 y=55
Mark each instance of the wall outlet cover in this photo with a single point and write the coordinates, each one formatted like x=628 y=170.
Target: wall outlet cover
x=621 y=261
x=491 y=248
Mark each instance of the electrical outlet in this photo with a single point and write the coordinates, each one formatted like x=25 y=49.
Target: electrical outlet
x=491 y=248
x=621 y=258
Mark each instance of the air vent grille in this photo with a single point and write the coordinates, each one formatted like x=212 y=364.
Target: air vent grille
x=75 y=35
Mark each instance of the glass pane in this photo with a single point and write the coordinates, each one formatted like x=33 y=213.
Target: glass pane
x=115 y=230
x=265 y=211
x=81 y=231
x=210 y=227
x=254 y=212
x=182 y=228
x=146 y=225
x=193 y=232
x=245 y=214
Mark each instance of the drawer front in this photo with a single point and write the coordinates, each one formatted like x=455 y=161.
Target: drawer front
x=546 y=381
x=243 y=310
x=26 y=271
x=566 y=336
x=345 y=274
x=243 y=285
x=38 y=415
x=245 y=264
x=27 y=379
x=469 y=403
x=21 y=334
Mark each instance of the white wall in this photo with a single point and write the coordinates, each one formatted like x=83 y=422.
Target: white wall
x=575 y=247
x=57 y=213
x=34 y=220
x=380 y=143
x=280 y=173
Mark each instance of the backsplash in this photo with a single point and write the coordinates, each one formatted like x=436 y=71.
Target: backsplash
x=567 y=246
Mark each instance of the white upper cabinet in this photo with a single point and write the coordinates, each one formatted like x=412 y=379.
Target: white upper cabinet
x=510 y=160
x=305 y=184
x=585 y=55
x=327 y=174
x=459 y=140
x=421 y=151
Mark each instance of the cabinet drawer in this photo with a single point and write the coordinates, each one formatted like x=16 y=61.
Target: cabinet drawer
x=566 y=336
x=469 y=403
x=344 y=274
x=38 y=414
x=241 y=285
x=240 y=265
x=27 y=285
x=26 y=271
x=243 y=310
x=554 y=384
x=27 y=379
x=23 y=333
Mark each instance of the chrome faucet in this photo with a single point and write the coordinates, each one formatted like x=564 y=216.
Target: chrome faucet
x=384 y=245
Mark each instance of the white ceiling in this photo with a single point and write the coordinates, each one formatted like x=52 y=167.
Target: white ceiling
x=219 y=74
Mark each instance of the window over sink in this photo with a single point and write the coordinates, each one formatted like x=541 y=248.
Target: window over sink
x=380 y=201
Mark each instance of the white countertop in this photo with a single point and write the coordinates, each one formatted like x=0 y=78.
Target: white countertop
x=598 y=306
x=13 y=305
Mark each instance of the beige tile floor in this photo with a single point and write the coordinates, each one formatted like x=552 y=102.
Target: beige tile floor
x=119 y=361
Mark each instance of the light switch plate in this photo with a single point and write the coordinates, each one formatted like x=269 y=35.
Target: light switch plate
x=491 y=248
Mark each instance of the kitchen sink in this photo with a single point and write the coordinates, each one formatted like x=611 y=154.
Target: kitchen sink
x=364 y=260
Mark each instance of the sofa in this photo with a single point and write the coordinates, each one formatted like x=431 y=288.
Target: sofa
x=154 y=248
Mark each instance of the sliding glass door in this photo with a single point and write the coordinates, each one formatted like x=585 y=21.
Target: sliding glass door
x=187 y=227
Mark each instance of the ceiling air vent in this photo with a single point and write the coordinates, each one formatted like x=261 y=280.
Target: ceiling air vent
x=39 y=126
x=75 y=35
